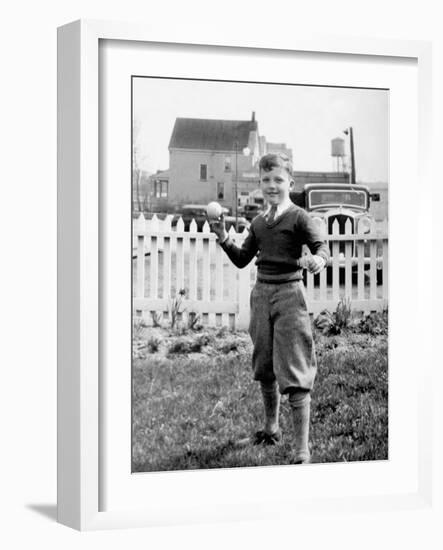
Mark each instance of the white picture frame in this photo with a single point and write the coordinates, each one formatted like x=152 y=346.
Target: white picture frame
x=80 y=365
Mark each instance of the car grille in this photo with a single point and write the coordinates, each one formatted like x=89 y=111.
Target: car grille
x=341 y=219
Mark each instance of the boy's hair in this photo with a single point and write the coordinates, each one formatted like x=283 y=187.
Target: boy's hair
x=275 y=160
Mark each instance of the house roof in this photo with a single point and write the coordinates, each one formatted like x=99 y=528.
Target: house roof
x=212 y=135
x=161 y=174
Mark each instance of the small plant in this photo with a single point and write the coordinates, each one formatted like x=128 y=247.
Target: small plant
x=204 y=340
x=181 y=345
x=175 y=309
x=374 y=323
x=222 y=332
x=190 y=344
x=179 y=330
x=335 y=323
x=229 y=346
x=156 y=319
x=324 y=321
x=153 y=344
x=194 y=321
x=343 y=313
x=138 y=324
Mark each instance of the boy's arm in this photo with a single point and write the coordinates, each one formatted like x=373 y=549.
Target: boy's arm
x=312 y=237
x=240 y=256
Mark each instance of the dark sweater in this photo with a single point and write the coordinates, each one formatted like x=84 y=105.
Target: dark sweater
x=278 y=244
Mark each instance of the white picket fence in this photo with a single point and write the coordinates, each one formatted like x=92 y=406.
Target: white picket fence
x=166 y=260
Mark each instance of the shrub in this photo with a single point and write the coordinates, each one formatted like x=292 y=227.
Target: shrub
x=374 y=323
x=194 y=321
x=180 y=345
x=230 y=345
x=138 y=324
x=153 y=344
x=222 y=332
x=343 y=313
x=203 y=340
x=175 y=309
x=189 y=344
x=156 y=319
x=324 y=321
x=335 y=323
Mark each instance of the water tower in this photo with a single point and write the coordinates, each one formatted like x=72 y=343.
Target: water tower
x=338 y=152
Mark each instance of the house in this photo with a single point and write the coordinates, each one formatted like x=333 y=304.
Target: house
x=213 y=160
x=159 y=192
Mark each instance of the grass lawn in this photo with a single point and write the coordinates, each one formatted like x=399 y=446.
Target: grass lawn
x=194 y=399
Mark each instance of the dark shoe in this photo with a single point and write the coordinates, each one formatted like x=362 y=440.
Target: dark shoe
x=263 y=438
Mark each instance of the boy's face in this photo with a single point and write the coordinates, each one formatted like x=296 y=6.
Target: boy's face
x=276 y=185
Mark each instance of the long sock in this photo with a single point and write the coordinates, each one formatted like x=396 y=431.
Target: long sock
x=300 y=403
x=271 y=402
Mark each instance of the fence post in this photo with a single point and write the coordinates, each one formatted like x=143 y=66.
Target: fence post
x=154 y=231
x=244 y=290
x=140 y=263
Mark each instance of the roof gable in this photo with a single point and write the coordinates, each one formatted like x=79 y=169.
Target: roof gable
x=211 y=135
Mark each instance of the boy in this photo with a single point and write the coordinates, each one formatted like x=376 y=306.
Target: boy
x=283 y=358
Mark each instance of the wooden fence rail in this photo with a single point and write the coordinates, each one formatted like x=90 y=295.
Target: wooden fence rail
x=167 y=260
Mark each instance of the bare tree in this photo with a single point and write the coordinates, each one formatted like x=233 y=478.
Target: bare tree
x=138 y=159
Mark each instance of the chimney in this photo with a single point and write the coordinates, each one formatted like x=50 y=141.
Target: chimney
x=253 y=116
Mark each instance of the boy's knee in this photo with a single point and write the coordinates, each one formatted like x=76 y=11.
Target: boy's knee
x=298 y=397
x=268 y=387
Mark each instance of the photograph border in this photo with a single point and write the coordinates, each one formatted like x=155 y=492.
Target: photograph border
x=78 y=392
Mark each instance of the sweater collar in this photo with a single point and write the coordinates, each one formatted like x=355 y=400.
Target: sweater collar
x=282 y=207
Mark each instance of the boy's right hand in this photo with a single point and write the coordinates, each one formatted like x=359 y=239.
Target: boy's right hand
x=218 y=227
x=314 y=264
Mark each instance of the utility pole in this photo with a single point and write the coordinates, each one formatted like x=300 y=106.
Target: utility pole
x=350 y=132
x=236 y=185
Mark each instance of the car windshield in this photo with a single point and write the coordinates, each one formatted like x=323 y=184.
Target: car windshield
x=194 y=211
x=325 y=197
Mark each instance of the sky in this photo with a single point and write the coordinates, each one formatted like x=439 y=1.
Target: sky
x=305 y=118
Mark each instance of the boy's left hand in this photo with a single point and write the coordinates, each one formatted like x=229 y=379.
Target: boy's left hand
x=316 y=264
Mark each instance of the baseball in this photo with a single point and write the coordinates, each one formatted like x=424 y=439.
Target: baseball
x=214 y=210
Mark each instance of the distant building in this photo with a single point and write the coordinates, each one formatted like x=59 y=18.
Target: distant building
x=159 y=191
x=278 y=148
x=213 y=160
x=217 y=160
x=380 y=208
x=140 y=191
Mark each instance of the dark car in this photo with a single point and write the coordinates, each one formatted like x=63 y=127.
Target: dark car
x=250 y=211
x=197 y=212
x=343 y=204
x=344 y=207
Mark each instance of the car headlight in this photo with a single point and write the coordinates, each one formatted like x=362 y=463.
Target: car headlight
x=364 y=225
x=319 y=224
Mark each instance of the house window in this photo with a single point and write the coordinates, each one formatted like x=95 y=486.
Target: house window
x=220 y=190
x=160 y=189
x=227 y=164
x=203 y=172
